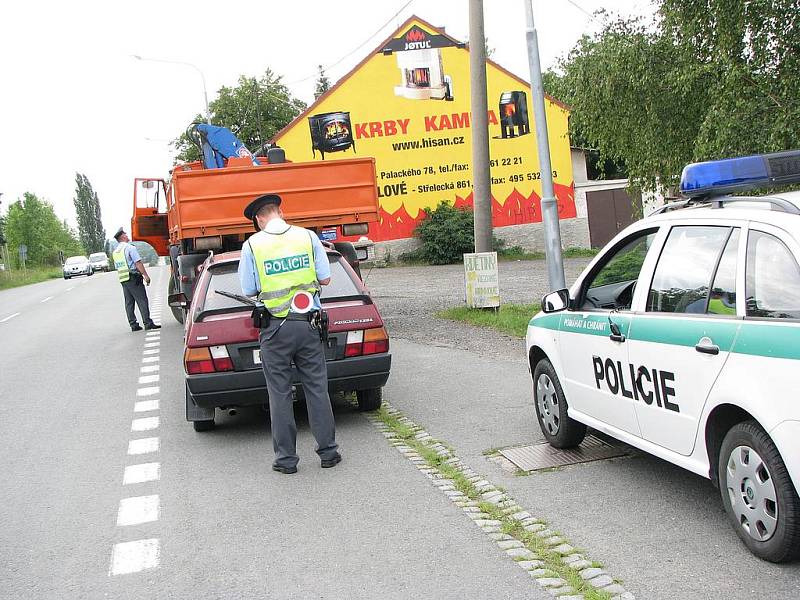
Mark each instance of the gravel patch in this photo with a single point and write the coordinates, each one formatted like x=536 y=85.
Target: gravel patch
x=408 y=298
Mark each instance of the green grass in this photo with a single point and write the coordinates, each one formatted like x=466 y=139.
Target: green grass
x=512 y=319
x=551 y=559
x=17 y=278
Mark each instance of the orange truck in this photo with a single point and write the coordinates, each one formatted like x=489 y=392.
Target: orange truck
x=199 y=210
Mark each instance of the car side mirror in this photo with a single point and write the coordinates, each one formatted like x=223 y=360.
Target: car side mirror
x=178 y=300
x=362 y=254
x=555 y=301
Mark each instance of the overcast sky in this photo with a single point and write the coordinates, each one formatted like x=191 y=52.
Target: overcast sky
x=73 y=99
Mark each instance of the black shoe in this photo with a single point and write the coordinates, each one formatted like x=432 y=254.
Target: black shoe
x=136 y=327
x=284 y=470
x=152 y=326
x=327 y=463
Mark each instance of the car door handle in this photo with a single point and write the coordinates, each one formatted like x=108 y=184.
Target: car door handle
x=617 y=337
x=706 y=346
x=616 y=334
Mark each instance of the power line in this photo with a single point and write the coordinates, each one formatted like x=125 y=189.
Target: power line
x=364 y=43
x=584 y=11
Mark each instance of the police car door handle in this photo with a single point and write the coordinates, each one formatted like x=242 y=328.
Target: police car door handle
x=706 y=346
x=616 y=334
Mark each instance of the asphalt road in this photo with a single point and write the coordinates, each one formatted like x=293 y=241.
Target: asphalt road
x=207 y=517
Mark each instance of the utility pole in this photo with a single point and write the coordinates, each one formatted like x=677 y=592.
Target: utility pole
x=481 y=177
x=552 y=232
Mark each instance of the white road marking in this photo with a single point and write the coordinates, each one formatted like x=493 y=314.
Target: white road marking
x=147 y=391
x=145 y=405
x=150 y=359
x=132 y=557
x=69 y=289
x=152 y=344
x=9 y=317
x=153 y=334
x=148 y=379
x=151 y=351
x=46 y=299
x=149 y=369
x=144 y=424
x=141 y=473
x=137 y=510
x=143 y=446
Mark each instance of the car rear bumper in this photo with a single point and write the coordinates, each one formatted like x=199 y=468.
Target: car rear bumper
x=242 y=388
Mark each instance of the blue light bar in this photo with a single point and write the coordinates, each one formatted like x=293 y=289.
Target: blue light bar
x=718 y=177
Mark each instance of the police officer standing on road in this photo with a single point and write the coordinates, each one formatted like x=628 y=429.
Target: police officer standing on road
x=132 y=276
x=285 y=266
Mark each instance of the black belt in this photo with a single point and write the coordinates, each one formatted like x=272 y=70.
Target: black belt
x=308 y=317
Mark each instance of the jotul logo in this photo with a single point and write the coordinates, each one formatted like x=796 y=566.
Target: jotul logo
x=416 y=39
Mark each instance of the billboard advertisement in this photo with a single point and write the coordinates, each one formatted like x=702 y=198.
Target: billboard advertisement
x=407 y=104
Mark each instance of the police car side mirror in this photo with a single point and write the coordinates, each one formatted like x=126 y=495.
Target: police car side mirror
x=178 y=300
x=555 y=301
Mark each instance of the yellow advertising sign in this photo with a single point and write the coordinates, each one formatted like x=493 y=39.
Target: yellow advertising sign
x=408 y=105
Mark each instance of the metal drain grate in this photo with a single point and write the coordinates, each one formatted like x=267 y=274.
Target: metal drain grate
x=544 y=456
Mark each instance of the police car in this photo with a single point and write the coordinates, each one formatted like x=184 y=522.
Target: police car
x=682 y=338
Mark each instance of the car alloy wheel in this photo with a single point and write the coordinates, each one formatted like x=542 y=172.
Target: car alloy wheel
x=752 y=493
x=547 y=399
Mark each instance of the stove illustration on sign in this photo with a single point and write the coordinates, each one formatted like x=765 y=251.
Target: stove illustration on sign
x=331 y=132
x=514 y=113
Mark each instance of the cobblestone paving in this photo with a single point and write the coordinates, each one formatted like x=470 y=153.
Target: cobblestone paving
x=571 y=560
x=408 y=298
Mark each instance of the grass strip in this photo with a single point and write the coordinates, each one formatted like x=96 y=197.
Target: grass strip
x=17 y=278
x=511 y=319
x=441 y=461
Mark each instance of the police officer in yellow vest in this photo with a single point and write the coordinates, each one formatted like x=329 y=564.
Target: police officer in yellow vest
x=132 y=276
x=285 y=266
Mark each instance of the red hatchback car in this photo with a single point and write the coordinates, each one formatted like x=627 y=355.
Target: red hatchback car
x=222 y=356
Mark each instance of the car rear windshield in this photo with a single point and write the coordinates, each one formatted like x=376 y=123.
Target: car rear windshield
x=73 y=260
x=226 y=278
x=97 y=257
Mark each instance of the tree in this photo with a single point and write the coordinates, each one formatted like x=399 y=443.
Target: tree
x=707 y=79
x=87 y=210
x=33 y=222
x=323 y=83
x=255 y=110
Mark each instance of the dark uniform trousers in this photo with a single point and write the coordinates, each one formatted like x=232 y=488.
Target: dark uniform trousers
x=135 y=292
x=282 y=343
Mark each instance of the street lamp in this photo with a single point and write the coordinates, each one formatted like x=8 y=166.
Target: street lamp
x=186 y=64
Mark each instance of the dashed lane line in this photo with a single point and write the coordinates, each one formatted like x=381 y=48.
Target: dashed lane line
x=132 y=557
x=143 y=446
x=141 y=473
x=46 y=299
x=9 y=317
x=148 y=379
x=148 y=391
x=149 y=369
x=137 y=510
x=145 y=424
x=145 y=406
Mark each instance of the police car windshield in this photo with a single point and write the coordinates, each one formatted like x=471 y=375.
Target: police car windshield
x=225 y=277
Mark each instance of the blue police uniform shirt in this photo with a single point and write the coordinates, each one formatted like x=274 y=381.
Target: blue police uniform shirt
x=248 y=275
x=132 y=256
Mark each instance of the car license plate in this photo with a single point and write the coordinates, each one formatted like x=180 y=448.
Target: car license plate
x=257 y=356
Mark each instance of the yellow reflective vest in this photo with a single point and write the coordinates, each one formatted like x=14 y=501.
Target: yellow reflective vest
x=121 y=263
x=285 y=265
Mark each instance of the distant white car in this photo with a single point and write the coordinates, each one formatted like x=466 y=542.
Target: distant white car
x=99 y=261
x=77 y=265
x=682 y=338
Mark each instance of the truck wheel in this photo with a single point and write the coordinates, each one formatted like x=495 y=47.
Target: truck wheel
x=758 y=494
x=551 y=409
x=369 y=399
x=178 y=313
x=348 y=252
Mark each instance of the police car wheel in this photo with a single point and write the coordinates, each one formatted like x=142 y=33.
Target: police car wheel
x=758 y=494
x=551 y=409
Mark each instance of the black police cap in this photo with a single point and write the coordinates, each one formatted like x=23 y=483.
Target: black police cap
x=252 y=209
x=120 y=231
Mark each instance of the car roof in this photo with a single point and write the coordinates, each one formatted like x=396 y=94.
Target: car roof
x=759 y=211
x=235 y=255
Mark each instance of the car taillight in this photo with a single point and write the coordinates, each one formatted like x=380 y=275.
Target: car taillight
x=369 y=341
x=207 y=360
x=222 y=362
x=375 y=341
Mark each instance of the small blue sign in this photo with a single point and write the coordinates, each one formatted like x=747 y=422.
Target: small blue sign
x=328 y=235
